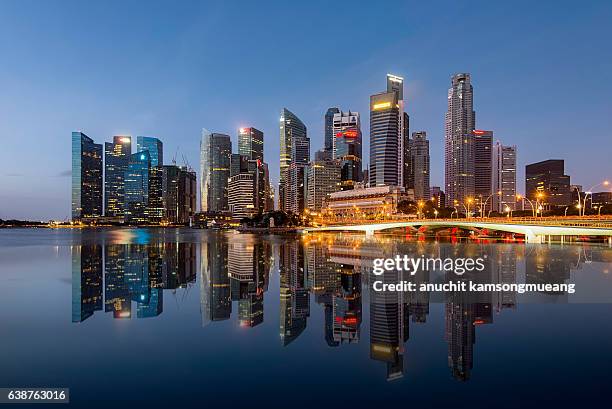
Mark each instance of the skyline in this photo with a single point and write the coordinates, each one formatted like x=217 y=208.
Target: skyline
x=178 y=100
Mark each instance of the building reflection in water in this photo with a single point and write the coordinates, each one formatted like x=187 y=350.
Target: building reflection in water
x=334 y=269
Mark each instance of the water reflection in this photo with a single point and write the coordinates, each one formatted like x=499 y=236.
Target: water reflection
x=332 y=271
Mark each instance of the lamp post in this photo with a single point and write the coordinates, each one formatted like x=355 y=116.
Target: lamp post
x=420 y=205
x=469 y=200
x=484 y=206
x=435 y=213
x=590 y=192
x=521 y=197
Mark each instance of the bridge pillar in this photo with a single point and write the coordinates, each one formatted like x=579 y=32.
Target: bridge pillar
x=530 y=237
x=369 y=233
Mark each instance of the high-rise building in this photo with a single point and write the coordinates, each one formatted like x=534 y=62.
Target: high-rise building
x=238 y=164
x=419 y=165
x=384 y=137
x=137 y=184
x=483 y=168
x=155 y=148
x=291 y=128
x=215 y=153
x=251 y=143
x=323 y=179
x=389 y=136
x=295 y=188
x=547 y=182
x=329 y=131
x=86 y=177
x=241 y=198
x=347 y=147
x=460 y=121
x=180 y=193
x=504 y=177
x=86 y=281
x=116 y=160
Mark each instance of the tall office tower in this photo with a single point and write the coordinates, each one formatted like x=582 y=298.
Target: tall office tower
x=389 y=136
x=86 y=281
x=504 y=177
x=329 y=131
x=251 y=143
x=291 y=128
x=460 y=121
x=240 y=197
x=347 y=147
x=419 y=165
x=137 y=188
x=548 y=179
x=295 y=188
x=155 y=148
x=323 y=179
x=116 y=160
x=483 y=168
x=215 y=154
x=261 y=185
x=86 y=177
x=180 y=194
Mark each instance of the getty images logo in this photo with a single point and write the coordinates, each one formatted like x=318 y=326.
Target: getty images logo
x=412 y=265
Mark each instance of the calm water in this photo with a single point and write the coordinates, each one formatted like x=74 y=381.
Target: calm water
x=191 y=318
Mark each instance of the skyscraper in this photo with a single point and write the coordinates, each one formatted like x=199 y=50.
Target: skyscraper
x=116 y=160
x=137 y=183
x=86 y=177
x=241 y=198
x=347 y=147
x=460 y=121
x=155 y=147
x=419 y=165
x=389 y=136
x=504 y=177
x=215 y=153
x=291 y=129
x=180 y=194
x=323 y=179
x=251 y=143
x=329 y=131
x=483 y=168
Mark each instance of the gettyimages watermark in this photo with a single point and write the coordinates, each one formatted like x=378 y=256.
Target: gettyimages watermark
x=470 y=272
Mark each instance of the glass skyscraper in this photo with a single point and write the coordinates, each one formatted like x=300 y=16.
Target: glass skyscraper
x=384 y=138
x=215 y=156
x=137 y=192
x=291 y=129
x=347 y=147
x=116 y=161
x=251 y=143
x=155 y=147
x=329 y=128
x=86 y=177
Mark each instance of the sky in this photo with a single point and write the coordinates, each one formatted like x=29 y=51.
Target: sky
x=540 y=71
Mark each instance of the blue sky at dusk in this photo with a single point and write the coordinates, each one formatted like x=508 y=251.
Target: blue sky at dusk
x=541 y=75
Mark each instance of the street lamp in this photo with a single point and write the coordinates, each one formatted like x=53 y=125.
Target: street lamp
x=469 y=201
x=420 y=205
x=436 y=213
x=521 y=197
x=484 y=206
x=508 y=210
x=590 y=192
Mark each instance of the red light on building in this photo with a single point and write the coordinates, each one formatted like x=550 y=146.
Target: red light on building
x=350 y=321
x=479 y=132
x=478 y=322
x=339 y=135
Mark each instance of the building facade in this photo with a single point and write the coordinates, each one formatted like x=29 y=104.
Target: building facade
x=347 y=147
x=366 y=202
x=419 y=167
x=215 y=154
x=547 y=182
x=329 y=131
x=389 y=136
x=116 y=159
x=155 y=148
x=291 y=129
x=460 y=121
x=241 y=199
x=137 y=184
x=323 y=180
x=180 y=194
x=86 y=177
x=504 y=177
x=483 y=168
x=251 y=143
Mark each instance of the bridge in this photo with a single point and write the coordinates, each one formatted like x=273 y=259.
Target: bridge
x=535 y=230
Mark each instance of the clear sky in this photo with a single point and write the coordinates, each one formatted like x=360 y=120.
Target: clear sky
x=541 y=72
